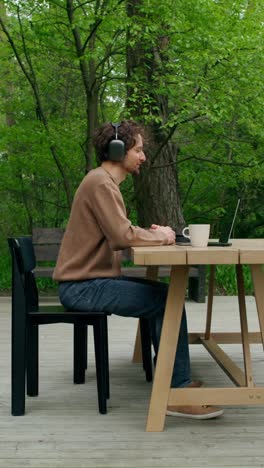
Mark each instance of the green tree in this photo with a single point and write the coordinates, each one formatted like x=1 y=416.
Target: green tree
x=190 y=70
x=59 y=62
x=195 y=75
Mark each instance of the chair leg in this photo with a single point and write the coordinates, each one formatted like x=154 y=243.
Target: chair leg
x=146 y=348
x=18 y=363
x=32 y=351
x=79 y=352
x=100 y=361
x=106 y=354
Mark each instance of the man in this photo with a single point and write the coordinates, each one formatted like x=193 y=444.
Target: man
x=88 y=266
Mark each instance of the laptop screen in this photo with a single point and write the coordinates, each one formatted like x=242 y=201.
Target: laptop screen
x=227 y=224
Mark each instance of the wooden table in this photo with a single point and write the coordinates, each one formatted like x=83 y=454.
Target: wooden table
x=242 y=251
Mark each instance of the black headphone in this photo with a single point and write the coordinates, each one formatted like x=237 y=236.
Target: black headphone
x=116 y=148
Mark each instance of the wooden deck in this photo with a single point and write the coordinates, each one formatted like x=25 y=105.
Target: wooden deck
x=62 y=427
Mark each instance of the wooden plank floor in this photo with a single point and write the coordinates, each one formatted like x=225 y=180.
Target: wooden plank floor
x=62 y=427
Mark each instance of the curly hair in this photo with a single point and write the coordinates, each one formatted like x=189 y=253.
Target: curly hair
x=127 y=132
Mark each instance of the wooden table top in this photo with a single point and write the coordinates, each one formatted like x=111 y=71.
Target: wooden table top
x=243 y=251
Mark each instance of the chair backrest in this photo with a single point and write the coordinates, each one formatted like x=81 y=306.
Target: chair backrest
x=24 y=286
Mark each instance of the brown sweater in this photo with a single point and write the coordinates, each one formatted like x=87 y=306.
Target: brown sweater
x=97 y=229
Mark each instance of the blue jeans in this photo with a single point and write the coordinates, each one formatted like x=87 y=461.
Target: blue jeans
x=130 y=297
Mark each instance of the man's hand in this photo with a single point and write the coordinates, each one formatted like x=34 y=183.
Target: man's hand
x=167 y=230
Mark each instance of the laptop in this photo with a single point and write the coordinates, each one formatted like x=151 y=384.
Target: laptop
x=225 y=231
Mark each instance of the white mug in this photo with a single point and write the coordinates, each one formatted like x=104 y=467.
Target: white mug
x=198 y=234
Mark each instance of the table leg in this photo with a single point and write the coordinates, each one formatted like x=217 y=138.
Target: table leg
x=244 y=327
x=137 y=354
x=167 y=348
x=257 y=274
x=210 y=302
x=151 y=274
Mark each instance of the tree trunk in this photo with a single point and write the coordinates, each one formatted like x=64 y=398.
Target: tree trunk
x=88 y=73
x=157 y=188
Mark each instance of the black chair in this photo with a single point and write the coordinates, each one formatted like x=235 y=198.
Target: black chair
x=27 y=315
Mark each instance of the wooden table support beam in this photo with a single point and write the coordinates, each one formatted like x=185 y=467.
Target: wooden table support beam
x=223 y=360
x=217 y=396
x=225 y=337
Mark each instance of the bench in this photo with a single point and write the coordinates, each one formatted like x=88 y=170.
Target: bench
x=47 y=242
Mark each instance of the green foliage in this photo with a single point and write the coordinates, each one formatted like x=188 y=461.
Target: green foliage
x=203 y=88
x=200 y=83
x=47 y=285
x=225 y=280
x=5 y=272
